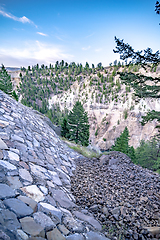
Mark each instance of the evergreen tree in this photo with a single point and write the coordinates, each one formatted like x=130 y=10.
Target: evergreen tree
x=139 y=82
x=5 y=81
x=121 y=144
x=148 y=154
x=78 y=125
x=65 y=128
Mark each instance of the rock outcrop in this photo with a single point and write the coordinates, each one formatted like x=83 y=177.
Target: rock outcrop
x=35 y=187
x=107 y=119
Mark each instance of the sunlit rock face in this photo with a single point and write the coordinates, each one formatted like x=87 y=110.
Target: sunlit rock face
x=108 y=119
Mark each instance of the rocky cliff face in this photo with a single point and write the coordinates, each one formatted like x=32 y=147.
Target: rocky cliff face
x=109 y=118
x=48 y=191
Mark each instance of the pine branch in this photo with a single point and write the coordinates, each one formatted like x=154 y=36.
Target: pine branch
x=139 y=83
x=143 y=57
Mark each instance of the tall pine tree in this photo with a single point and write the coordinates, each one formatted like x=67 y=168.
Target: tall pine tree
x=78 y=125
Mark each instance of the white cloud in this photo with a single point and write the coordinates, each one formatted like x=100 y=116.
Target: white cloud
x=22 y=19
x=86 y=48
x=42 y=34
x=33 y=53
x=98 y=50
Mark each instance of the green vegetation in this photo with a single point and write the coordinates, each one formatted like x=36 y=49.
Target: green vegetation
x=38 y=83
x=6 y=84
x=65 y=128
x=5 y=81
x=144 y=87
x=121 y=145
x=96 y=132
x=76 y=126
x=84 y=151
x=55 y=114
x=148 y=155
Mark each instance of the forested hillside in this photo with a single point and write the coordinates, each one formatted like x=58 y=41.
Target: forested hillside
x=110 y=104
x=38 y=83
x=101 y=84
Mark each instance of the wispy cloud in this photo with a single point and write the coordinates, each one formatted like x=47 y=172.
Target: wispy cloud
x=21 y=19
x=42 y=34
x=59 y=38
x=33 y=53
x=90 y=35
x=86 y=48
x=98 y=50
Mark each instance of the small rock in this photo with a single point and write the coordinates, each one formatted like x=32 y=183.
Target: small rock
x=44 y=221
x=9 y=220
x=95 y=236
x=33 y=192
x=30 y=226
x=25 y=175
x=48 y=208
x=3 y=124
x=29 y=201
x=105 y=211
x=75 y=225
x=75 y=236
x=18 y=207
x=153 y=230
x=89 y=219
x=17 y=138
x=6 y=191
x=94 y=208
x=2 y=144
x=55 y=235
x=13 y=156
x=7 y=165
x=143 y=199
x=14 y=182
x=63 y=229
x=55 y=178
x=22 y=234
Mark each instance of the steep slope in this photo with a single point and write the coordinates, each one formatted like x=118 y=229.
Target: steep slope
x=35 y=171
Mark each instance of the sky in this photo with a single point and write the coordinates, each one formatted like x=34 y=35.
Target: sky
x=43 y=32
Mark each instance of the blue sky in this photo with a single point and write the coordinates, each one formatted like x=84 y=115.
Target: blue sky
x=81 y=31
